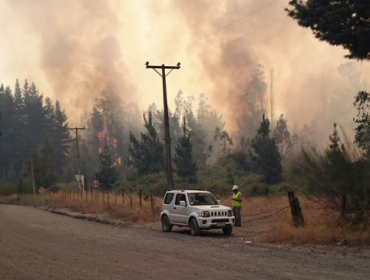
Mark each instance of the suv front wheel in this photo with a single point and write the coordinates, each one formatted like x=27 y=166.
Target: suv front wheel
x=227 y=230
x=166 y=226
x=194 y=228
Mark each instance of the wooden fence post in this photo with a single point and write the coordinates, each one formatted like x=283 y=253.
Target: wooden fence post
x=140 y=197
x=151 y=200
x=295 y=209
x=123 y=197
x=115 y=198
x=343 y=208
x=108 y=198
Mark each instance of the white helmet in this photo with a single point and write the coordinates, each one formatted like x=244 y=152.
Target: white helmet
x=235 y=187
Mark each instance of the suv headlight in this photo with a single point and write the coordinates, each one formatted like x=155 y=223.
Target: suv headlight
x=204 y=214
x=229 y=213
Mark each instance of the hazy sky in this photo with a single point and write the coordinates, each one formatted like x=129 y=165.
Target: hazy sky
x=73 y=49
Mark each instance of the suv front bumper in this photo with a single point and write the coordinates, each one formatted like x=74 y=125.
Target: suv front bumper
x=215 y=222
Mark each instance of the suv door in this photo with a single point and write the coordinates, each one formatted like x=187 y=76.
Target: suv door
x=179 y=213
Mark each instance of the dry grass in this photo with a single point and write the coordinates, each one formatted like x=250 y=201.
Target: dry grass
x=323 y=226
x=126 y=209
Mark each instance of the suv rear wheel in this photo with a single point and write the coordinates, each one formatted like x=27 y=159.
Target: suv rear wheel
x=194 y=228
x=166 y=226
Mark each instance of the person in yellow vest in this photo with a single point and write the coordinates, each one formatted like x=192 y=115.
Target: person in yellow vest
x=237 y=205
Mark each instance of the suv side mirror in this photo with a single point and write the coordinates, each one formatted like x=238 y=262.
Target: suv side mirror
x=182 y=203
x=219 y=201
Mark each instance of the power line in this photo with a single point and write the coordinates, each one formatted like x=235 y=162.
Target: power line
x=268 y=215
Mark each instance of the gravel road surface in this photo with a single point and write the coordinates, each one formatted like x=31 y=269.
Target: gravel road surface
x=36 y=244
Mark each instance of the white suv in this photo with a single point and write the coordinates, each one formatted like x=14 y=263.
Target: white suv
x=197 y=210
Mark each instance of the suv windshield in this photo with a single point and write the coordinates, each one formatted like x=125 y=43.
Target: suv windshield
x=202 y=199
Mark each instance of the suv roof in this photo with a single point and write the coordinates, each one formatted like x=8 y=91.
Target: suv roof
x=189 y=191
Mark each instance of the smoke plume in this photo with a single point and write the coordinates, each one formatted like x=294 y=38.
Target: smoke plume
x=74 y=49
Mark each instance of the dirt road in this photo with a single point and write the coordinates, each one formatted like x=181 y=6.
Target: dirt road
x=35 y=244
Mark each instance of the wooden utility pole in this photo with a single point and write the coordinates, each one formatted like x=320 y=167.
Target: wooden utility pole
x=79 y=181
x=166 y=120
x=32 y=173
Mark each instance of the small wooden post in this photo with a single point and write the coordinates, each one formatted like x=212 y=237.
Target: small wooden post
x=343 y=208
x=115 y=198
x=103 y=194
x=123 y=197
x=295 y=209
x=151 y=200
x=97 y=202
x=130 y=199
x=108 y=197
x=140 y=197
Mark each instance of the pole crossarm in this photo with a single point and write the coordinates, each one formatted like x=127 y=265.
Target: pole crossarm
x=162 y=66
x=75 y=129
x=166 y=119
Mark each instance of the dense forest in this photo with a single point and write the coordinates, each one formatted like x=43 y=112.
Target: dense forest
x=124 y=148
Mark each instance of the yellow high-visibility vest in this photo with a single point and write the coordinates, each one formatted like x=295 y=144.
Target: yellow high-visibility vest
x=236 y=203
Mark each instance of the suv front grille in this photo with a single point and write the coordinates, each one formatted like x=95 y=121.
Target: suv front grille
x=218 y=213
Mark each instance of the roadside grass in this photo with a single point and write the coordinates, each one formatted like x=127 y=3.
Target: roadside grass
x=322 y=226
x=126 y=209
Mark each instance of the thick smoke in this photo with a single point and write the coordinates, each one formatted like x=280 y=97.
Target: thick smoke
x=78 y=48
x=303 y=66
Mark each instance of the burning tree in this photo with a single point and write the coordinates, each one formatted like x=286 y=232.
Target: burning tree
x=107 y=173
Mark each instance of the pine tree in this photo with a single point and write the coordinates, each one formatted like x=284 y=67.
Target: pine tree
x=61 y=137
x=186 y=166
x=254 y=100
x=282 y=138
x=344 y=23
x=20 y=125
x=45 y=174
x=265 y=157
x=7 y=147
x=148 y=153
x=107 y=173
x=336 y=178
x=35 y=120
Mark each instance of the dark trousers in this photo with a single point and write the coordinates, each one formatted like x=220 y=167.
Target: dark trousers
x=238 y=218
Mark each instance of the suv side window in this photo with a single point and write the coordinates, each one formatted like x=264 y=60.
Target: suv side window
x=168 y=198
x=180 y=197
